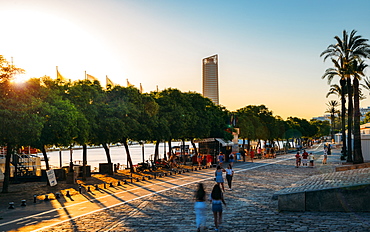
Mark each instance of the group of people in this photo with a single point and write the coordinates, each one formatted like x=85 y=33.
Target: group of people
x=208 y=158
x=216 y=197
x=304 y=159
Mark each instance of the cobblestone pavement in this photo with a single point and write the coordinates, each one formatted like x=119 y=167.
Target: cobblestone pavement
x=250 y=207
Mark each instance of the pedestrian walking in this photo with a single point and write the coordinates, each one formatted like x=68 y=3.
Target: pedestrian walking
x=231 y=158
x=199 y=159
x=312 y=158
x=304 y=158
x=229 y=175
x=209 y=160
x=324 y=160
x=252 y=155
x=219 y=178
x=200 y=207
x=217 y=199
x=221 y=158
x=297 y=160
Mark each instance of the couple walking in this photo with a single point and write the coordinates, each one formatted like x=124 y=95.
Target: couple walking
x=229 y=176
x=216 y=198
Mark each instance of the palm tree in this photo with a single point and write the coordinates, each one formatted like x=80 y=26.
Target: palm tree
x=332 y=110
x=347 y=49
x=330 y=73
x=358 y=70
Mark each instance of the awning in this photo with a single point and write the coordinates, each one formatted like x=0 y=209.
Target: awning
x=224 y=143
x=221 y=141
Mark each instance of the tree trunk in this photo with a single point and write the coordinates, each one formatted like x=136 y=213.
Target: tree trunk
x=9 y=150
x=43 y=150
x=84 y=161
x=357 y=150
x=109 y=160
x=170 y=150
x=343 y=118
x=350 y=116
x=128 y=155
x=156 y=151
x=194 y=146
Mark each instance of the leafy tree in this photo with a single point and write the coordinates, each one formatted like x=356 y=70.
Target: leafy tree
x=322 y=126
x=367 y=118
x=8 y=70
x=20 y=123
x=87 y=97
x=60 y=118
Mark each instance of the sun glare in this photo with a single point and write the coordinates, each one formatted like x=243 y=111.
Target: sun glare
x=20 y=78
x=39 y=42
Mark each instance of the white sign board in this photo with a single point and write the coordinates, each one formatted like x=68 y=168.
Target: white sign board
x=51 y=177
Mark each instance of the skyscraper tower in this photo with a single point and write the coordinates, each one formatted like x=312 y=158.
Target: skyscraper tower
x=210 y=78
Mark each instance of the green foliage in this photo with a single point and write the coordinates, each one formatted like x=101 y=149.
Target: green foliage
x=322 y=126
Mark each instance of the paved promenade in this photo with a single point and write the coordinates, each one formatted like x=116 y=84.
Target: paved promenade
x=250 y=206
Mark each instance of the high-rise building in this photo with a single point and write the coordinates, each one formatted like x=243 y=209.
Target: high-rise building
x=210 y=78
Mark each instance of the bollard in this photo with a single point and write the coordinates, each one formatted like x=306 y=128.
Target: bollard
x=137 y=180
x=119 y=183
x=46 y=197
x=34 y=198
x=111 y=184
x=170 y=173
x=132 y=179
x=97 y=187
x=80 y=189
x=11 y=205
x=88 y=189
x=67 y=194
x=23 y=203
x=57 y=195
x=143 y=178
x=105 y=185
x=183 y=171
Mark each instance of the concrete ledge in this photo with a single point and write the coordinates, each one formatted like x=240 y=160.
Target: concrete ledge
x=292 y=202
x=351 y=167
x=344 y=199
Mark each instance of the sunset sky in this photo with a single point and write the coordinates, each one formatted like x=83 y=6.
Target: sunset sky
x=269 y=50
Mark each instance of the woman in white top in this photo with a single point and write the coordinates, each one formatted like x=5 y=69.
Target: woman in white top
x=229 y=175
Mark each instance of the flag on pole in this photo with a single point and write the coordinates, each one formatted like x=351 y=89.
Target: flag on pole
x=141 y=88
x=109 y=82
x=59 y=76
x=91 y=78
x=129 y=84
